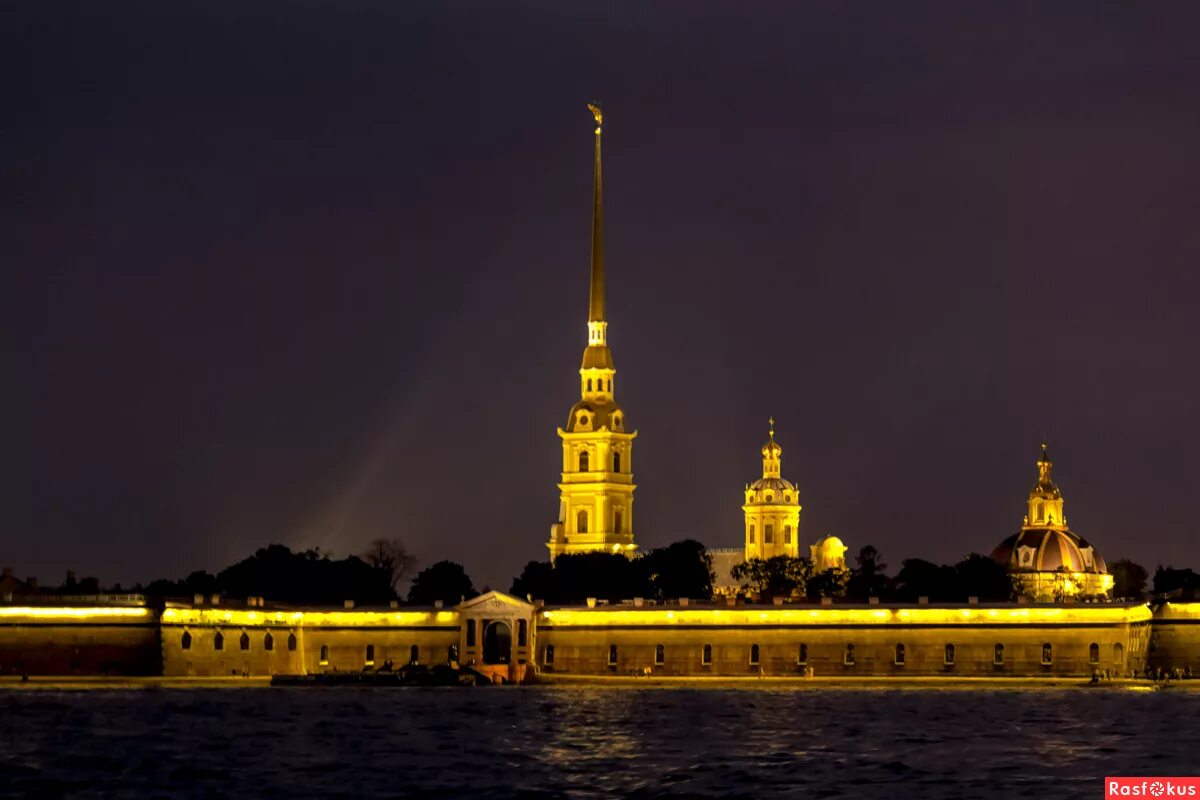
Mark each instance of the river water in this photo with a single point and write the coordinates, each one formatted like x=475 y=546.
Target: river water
x=601 y=742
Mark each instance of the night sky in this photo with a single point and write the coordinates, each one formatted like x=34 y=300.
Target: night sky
x=316 y=272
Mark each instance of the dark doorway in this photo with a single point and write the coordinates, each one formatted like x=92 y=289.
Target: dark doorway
x=497 y=643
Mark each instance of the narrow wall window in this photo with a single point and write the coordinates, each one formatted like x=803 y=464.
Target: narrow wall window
x=618 y=521
x=768 y=533
x=324 y=659
x=268 y=642
x=616 y=462
x=750 y=538
x=291 y=642
x=589 y=384
x=998 y=654
x=1093 y=653
x=185 y=641
x=787 y=534
x=802 y=654
x=549 y=657
x=609 y=384
x=219 y=641
x=370 y=658
x=948 y=657
x=612 y=655
x=754 y=655
x=581 y=522
x=470 y=633
x=244 y=641
x=1119 y=653
x=522 y=632
x=899 y=659
x=1047 y=654
x=414 y=655
x=583 y=461
x=660 y=654
x=706 y=655
x=848 y=656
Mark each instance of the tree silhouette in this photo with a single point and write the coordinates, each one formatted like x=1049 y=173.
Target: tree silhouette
x=445 y=581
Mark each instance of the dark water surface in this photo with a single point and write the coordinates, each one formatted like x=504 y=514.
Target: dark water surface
x=589 y=742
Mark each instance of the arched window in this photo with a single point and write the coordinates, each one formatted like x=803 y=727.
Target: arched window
x=452 y=654
x=802 y=654
x=768 y=533
x=618 y=521
x=750 y=536
x=370 y=658
x=1119 y=653
x=610 y=384
x=1047 y=654
x=706 y=655
x=268 y=642
x=522 y=632
x=948 y=657
x=583 y=461
x=998 y=654
x=244 y=641
x=616 y=462
x=754 y=655
x=899 y=659
x=219 y=641
x=1093 y=653
x=414 y=655
x=291 y=642
x=589 y=384
x=612 y=655
x=581 y=522
x=848 y=656
x=660 y=655
x=1039 y=509
x=324 y=659
x=186 y=641
x=549 y=657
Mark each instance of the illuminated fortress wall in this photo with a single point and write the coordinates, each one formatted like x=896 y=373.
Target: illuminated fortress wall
x=301 y=642
x=79 y=640
x=846 y=641
x=182 y=640
x=1175 y=637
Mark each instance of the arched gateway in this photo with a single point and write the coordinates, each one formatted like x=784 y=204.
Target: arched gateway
x=497 y=635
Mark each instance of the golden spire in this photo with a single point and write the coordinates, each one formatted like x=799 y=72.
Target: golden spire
x=596 y=295
x=771 y=423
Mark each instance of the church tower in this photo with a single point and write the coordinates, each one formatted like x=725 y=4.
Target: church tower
x=595 y=507
x=772 y=509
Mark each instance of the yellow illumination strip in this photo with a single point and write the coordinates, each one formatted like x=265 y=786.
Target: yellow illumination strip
x=337 y=619
x=1096 y=615
x=59 y=612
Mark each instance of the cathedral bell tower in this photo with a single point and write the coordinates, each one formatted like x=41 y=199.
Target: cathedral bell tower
x=772 y=508
x=595 y=507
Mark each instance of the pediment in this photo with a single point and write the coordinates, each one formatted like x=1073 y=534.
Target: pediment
x=493 y=601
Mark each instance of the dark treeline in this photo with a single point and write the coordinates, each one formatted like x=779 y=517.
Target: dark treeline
x=682 y=569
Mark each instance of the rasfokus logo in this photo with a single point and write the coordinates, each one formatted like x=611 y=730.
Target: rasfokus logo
x=1156 y=786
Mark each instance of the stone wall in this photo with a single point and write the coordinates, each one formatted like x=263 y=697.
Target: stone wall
x=845 y=640
x=77 y=640
x=301 y=641
x=1175 y=638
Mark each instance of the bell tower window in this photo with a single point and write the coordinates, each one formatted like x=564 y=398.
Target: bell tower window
x=618 y=521
x=581 y=522
x=616 y=462
x=768 y=533
x=583 y=461
x=750 y=536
